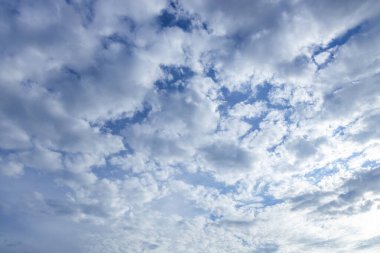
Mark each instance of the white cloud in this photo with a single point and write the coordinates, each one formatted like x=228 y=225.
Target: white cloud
x=213 y=126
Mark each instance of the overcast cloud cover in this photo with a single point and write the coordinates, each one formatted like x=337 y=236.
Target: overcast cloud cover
x=200 y=126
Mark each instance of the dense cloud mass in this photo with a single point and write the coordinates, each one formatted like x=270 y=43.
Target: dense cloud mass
x=189 y=126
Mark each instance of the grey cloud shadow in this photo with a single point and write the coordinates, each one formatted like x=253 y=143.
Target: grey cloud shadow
x=347 y=198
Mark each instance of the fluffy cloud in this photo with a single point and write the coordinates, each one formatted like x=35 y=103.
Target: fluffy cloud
x=189 y=126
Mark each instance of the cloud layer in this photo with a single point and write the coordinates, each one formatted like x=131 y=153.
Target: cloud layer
x=189 y=126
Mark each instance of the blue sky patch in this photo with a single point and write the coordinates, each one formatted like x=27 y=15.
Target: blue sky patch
x=175 y=78
x=341 y=39
x=317 y=175
x=336 y=43
x=117 y=125
x=169 y=19
x=233 y=97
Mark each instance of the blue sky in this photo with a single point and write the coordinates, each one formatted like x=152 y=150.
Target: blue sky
x=189 y=126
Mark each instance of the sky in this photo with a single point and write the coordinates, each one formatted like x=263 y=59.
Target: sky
x=202 y=126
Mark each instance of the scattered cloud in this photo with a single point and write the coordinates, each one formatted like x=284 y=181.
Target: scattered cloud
x=189 y=126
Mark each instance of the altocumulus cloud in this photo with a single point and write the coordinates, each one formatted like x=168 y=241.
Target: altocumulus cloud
x=189 y=126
